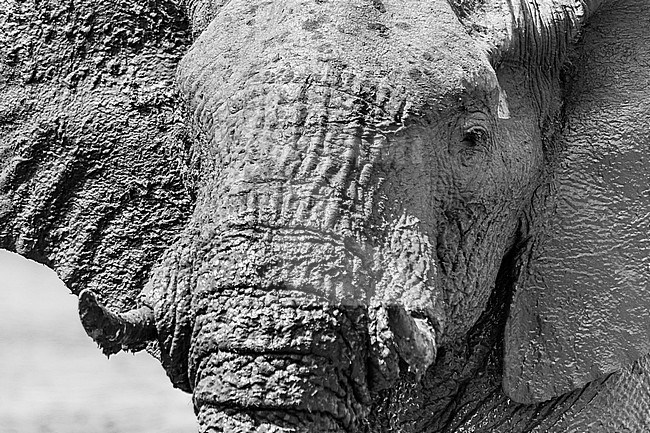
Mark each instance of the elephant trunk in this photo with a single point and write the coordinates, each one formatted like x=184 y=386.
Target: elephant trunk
x=279 y=332
x=284 y=332
x=263 y=358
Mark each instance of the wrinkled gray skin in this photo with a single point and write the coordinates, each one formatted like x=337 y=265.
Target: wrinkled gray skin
x=328 y=216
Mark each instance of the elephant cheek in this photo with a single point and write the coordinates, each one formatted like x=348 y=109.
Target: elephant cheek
x=278 y=359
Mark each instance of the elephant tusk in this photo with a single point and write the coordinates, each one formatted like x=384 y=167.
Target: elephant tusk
x=398 y=334
x=415 y=339
x=116 y=331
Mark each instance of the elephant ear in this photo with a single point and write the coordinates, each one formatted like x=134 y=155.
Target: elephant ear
x=581 y=306
x=91 y=140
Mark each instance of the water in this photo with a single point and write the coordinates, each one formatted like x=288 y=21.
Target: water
x=53 y=379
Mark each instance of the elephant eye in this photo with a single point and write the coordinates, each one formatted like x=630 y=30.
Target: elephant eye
x=474 y=145
x=475 y=136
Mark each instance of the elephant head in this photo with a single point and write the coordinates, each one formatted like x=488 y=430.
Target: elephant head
x=358 y=173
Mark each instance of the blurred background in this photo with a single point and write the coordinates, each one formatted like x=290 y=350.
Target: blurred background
x=53 y=379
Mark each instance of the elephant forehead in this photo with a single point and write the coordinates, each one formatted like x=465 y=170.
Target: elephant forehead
x=412 y=41
x=419 y=49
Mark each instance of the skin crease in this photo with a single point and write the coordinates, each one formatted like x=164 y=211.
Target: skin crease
x=355 y=209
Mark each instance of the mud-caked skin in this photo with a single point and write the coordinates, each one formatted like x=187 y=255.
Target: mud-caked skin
x=92 y=136
x=346 y=216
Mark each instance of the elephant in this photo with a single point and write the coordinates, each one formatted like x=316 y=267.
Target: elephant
x=359 y=216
